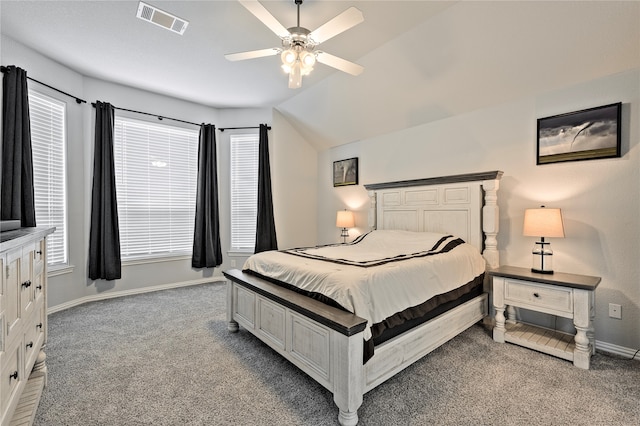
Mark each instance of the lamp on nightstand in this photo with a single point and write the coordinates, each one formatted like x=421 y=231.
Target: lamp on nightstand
x=543 y=223
x=344 y=220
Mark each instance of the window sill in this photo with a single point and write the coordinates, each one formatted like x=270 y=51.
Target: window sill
x=147 y=260
x=237 y=253
x=56 y=270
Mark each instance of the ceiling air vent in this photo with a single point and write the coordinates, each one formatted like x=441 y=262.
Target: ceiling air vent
x=161 y=18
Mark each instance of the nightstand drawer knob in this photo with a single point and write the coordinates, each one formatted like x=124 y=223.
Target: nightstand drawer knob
x=536 y=295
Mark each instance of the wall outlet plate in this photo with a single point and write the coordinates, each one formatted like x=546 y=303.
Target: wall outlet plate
x=615 y=311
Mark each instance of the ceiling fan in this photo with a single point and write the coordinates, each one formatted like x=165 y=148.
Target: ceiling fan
x=298 y=52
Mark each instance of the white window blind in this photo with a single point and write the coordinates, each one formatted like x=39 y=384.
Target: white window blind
x=244 y=192
x=156 y=177
x=48 y=141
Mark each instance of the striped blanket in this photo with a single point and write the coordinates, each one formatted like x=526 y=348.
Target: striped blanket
x=379 y=274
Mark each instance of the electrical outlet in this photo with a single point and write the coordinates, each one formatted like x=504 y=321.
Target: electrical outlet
x=233 y=263
x=615 y=311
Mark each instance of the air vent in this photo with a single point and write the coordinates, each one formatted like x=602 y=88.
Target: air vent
x=161 y=18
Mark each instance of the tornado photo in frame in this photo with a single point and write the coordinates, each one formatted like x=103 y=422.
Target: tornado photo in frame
x=345 y=172
x=582 y=135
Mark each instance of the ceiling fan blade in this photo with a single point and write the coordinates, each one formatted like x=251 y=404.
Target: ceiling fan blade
x=347 y=19
x=265 y=17
x=241 y=56
x=295 y=78
x=339 y=63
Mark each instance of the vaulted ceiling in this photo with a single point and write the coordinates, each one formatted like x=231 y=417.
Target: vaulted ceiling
x=424 y=60
x=104 y=39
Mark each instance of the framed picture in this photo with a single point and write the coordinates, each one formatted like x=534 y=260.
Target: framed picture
x=345 y=172
x=581 y=135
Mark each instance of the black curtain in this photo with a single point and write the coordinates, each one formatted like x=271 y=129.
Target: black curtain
x=104 y=235
x=17 y=161
x=207 y=252
x=265 y=225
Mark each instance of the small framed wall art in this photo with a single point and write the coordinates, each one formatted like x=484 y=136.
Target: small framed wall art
x=582 y=135
x=345 y=172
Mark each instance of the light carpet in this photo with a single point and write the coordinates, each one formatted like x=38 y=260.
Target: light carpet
x=166 y=358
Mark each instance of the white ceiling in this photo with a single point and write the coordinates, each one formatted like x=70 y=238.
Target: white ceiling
x=424 y=60
x=104 y=39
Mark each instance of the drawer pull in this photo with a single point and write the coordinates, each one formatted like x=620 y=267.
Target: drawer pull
x=29 y=345
x=39 y=326
x=536 y=295
x=13 y=376
x=26 y=284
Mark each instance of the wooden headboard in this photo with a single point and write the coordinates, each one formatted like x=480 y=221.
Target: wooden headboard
x=462 y=205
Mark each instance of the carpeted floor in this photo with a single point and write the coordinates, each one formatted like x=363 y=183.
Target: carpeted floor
x=166 y=358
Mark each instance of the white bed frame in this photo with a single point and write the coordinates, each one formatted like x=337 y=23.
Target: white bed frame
x=327 y=343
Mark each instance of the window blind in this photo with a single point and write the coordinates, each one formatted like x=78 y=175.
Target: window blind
x=48 y=141
x=156 y=177
x=244 y=192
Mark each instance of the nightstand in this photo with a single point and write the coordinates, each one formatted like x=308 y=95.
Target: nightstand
x=565 y=295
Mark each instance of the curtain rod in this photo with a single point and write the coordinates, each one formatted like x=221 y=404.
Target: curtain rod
x=78 y=100
x=159 y=117
x=222 y=129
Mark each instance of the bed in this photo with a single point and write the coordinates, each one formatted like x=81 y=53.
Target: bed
x=333 y=345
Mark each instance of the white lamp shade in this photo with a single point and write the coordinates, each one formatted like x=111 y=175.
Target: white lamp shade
x=543 y=222
x=344 y=219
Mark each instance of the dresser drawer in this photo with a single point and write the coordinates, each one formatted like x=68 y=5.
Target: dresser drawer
x=10 y=376
x=33 y=337
x=543 y=298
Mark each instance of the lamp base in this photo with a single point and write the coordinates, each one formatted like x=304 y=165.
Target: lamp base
x=542 y=262
x=344 y=235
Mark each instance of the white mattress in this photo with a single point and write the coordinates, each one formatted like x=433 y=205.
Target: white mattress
x=379 y=274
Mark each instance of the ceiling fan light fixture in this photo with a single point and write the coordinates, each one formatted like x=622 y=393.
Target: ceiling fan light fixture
x=289 y=57
x=307 y=59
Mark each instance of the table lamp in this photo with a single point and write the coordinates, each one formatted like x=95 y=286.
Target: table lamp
x=543 y=223
x=344 y=220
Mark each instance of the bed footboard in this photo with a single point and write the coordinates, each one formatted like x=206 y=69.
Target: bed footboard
x=323 y=341
x=327 y=343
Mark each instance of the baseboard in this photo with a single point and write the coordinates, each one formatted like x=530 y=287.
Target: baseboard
x=617 y=350
x=111 y=295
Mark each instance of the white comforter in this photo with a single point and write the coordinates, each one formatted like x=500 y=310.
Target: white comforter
x=381 y=273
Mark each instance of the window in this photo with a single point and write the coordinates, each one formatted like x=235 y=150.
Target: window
x=244 y=192
x=156 y=177
x=48 y=140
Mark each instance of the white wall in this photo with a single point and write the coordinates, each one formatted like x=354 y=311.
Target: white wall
x=294 y=177
x=293 y=164
x=599 y=198
x=70 y=285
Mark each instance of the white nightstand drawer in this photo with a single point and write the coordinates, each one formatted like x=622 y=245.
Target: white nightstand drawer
x=551 y=299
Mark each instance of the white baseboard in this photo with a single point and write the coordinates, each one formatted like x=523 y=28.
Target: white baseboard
x=617 y=350
x=111 y=295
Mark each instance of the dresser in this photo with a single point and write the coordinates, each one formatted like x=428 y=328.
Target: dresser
x=561 y=294
x=23 y=320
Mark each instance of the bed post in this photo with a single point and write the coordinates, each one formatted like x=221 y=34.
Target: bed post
x=232 y=325
x=490 y=222
x=348 y=377
x=372 y=210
